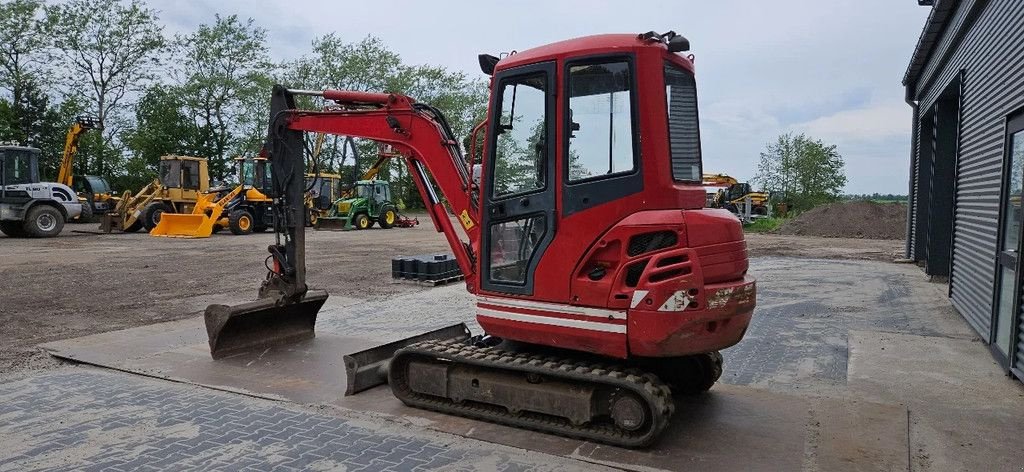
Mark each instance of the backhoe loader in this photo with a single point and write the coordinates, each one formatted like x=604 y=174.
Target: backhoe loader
x=243 y=209
x=602 y=283
x=180 y=183
x=732 y=194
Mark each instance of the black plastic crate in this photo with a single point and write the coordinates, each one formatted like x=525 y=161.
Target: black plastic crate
x=425 y=268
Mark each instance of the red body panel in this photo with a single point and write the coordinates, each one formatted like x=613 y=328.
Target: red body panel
x=688 y=299
x=592 y=289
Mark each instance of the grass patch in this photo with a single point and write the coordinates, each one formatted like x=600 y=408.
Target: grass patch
x=764 y=225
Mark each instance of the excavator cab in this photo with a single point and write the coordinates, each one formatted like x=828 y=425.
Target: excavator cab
x=583 y=232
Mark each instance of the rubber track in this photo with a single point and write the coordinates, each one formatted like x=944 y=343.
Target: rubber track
x=647 y=386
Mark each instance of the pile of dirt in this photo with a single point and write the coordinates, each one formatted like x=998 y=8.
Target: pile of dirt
x=862 y=219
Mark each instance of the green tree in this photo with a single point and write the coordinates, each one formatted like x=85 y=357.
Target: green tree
x=226 y=87
x=162 y=127
x=368 y=65
x=23 y=43
x=35 y=121
x=801 y=171
x=109 y=50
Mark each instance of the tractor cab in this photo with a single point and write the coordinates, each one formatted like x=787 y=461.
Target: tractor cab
x=18 y=165
x=323 y=189
x=95 y=191
x=253 y=172
x=189 y=175
x=377 y=191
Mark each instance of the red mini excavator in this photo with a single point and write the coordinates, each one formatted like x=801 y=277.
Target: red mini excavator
x=603 y=284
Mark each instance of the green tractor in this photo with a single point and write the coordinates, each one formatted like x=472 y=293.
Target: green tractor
x=368 y=203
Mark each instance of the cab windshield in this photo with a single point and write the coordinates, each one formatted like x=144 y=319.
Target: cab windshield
x=98 y=184
x=683 y=129
x=170 y=173
x=247 y=175
x=19 y=168
x=364 y=190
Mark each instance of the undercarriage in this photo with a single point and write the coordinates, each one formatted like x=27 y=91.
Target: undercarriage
x=586 y=398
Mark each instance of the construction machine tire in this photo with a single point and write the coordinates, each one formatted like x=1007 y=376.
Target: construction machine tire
x=87 y=215
x=362 y=221
x=388 y=218
x=240 y=222
x=134 y=227
x=151 y=214
x=217 y=229
x=12 y=229
x=760 y=210
x=43 y=221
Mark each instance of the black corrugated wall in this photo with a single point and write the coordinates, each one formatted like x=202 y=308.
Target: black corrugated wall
x=985 y=40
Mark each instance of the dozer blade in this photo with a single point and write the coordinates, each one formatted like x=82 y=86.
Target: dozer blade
x=183 y=225
x=369 y=368
x=261 y=323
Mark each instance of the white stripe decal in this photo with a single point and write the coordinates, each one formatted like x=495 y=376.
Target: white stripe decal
x=578 y=324
x=554 y=307
x=638 y=296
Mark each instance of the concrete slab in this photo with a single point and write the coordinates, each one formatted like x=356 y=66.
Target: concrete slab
x=965 y=413
x=733 y=427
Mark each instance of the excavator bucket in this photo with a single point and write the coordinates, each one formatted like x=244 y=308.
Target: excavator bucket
x=369 y=368
x=262 y=323
x=198 y=224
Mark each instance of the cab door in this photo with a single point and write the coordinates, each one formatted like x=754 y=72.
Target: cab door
x=519 y=201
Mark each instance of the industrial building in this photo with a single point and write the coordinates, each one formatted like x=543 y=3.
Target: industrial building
x=965 y=82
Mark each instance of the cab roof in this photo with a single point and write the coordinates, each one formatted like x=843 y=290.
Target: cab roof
x=582 y=46
x=175 y=157
x=14 y=147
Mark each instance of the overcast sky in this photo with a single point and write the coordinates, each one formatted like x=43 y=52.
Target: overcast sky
x=829 y=68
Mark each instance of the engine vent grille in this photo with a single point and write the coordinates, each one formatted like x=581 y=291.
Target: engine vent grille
x=647 y=242
x=634 y=271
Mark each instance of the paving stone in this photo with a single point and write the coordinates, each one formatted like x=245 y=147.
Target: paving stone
x=89 y=419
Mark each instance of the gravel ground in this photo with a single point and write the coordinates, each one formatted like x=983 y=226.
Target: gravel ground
x=80 y=284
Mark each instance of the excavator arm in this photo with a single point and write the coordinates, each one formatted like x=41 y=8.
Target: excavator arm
x=287 y=309
x=417 y=132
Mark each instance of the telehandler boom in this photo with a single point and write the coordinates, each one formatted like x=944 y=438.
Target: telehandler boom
x=593 y=261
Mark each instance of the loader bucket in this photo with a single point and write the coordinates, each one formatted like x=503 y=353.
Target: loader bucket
x=198 y=224
x=262 y=323
x=183 y=225
x=369 y=368
x=333 y=223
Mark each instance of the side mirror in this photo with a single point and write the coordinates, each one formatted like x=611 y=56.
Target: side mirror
x=678 y=44
x=487 y=63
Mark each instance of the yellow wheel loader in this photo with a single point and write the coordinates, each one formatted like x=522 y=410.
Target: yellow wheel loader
x=180 y=183
x=198 y=224
x=244 y=209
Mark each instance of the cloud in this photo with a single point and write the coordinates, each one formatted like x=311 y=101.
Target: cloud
x=872 y=123
x=827 y=68
x=737 y=116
